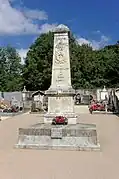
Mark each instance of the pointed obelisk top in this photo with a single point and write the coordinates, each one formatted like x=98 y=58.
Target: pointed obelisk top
x=61 y=28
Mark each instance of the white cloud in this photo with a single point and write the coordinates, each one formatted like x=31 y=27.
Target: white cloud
x=15 y=21
x=82 y=41
x=93 y=43
x=12 y=0
x=47 y=27
x=36 y=14
x=22 y=53
x=97 y=32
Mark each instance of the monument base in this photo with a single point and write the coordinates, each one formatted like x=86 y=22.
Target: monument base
x=72 y=117
x=62 y=137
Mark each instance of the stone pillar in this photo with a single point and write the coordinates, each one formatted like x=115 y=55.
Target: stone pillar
x=61 y=76
x=60 y=94
x=98 y=95
x=104 y=94
x=24 y=94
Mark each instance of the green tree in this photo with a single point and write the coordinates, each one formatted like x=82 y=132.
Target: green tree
x=89 y=68
x=10 y=69
x=38 y=63
x=111 y=52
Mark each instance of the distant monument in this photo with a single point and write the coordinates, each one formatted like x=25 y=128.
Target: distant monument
x=113 y=102
x=60 y=94
x=70 y=135
x=104 y=94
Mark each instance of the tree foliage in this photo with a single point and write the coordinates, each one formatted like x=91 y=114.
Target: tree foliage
x=10 y=69
x=38 y=63
x=89 y=68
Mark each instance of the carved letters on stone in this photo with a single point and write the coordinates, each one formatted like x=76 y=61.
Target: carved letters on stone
x=56 y=133
x=60 y=77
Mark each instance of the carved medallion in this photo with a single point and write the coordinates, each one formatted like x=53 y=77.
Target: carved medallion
x=59 y=57
x=61 y=45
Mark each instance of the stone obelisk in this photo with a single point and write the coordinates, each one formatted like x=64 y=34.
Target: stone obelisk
x=60 y=94
x=73 y=136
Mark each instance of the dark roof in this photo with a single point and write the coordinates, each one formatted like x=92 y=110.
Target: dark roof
x=38 y=92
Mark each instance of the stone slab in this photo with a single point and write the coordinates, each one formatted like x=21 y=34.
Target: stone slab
x=60 y=104
x=61 y=137
x=56 y=133
x=36 y=112
x=11 y=114
x=104 y=112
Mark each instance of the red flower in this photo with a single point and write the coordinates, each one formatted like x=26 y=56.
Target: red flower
x=60 y=120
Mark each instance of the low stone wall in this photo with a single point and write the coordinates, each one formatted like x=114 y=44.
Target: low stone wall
x=10 y=114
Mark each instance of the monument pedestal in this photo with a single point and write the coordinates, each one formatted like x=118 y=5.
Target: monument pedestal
x=60 y=94
x=67 y=137
x=60 y=103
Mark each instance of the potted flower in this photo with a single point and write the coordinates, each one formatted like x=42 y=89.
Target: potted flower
x=60 y=120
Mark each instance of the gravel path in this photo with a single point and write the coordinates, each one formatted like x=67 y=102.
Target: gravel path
x=34 y=164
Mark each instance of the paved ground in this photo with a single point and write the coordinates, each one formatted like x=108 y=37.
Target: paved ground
x=34 y=164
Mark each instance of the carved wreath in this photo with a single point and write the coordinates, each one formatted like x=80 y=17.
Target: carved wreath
x=59 y=53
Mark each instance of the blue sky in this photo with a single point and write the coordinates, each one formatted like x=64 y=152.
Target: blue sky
x=93 y=22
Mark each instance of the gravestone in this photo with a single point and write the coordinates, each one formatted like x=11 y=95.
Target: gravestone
x=104 y=93
x=60 y=94
x=14 y=102
x=113 y=102
x=86 y=99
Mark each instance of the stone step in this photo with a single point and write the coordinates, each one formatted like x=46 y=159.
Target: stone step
x=69 y=137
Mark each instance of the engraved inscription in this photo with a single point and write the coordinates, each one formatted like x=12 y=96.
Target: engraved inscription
x=60 y=77
x=56 y=133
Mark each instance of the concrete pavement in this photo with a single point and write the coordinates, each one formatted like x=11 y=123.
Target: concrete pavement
x=35 y=164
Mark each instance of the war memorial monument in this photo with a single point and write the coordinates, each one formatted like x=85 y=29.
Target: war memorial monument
x=72 y=135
